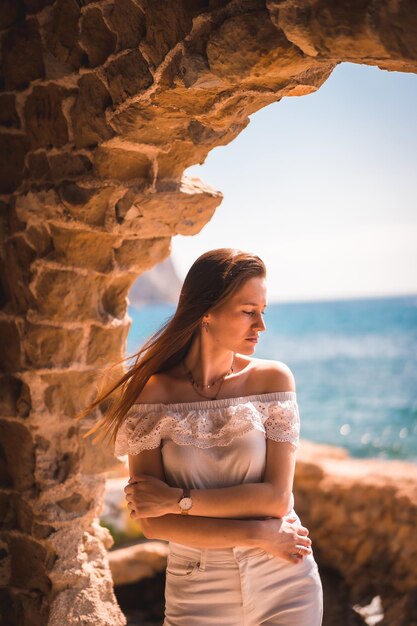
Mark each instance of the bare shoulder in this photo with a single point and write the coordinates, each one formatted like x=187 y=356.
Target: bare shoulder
x=275 y=375
x=155 y=389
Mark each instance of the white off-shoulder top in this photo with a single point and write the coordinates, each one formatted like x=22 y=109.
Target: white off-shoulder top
x=212 y=443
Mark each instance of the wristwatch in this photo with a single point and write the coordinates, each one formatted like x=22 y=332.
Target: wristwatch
x=185 y=502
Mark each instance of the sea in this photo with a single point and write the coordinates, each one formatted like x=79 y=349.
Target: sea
x=354 y=363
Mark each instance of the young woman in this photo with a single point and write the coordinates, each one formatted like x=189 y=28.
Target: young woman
x=211 y=435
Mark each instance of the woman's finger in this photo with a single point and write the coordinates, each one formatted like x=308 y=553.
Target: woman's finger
x=304 y=540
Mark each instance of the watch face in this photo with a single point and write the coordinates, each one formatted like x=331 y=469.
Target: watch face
x=185 y=503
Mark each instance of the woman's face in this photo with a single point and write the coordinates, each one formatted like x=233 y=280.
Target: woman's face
x=236 y=324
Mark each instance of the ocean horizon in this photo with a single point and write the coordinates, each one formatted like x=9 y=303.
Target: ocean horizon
x=354 y=363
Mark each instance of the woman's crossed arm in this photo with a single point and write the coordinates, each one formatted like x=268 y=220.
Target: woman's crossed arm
x=149 y=495
x=151 y=501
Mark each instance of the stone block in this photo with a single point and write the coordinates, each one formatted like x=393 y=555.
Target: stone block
x=75 y=503
x=7 y=217
x=15 y=513
x=205 y=104
x=68 y=295
x=68 y=165
x=47 y=346
x=88 y=112
x=16 y=272
x=82 y=248
x=136 y=123
x=38 y=237
x=34 y=6
x=128 y=22
x=5 y=209
x=97 y=458
x=8 y=112
x=348 y=33
x=46 y=124
x=114 y=299
x=117 y=163
x=106 y=343
x=92 y=206
x=17 y=460
x=61 y=34
x=127 y=76
x=54 y=466
x=15 y=400
x=23 y=608
x=21 y=49
x=8 y=519
x=13 y=149
x=29 y=205
x=249 y=46
x=37 y=166
x=166 y=25
x=11 y=360
x=181 y=154
x=181 y=211
x=21 y=250
x=42 y=531
x=68 y=392
x=4 y=568
x=11 y=11
x=142 y=254
x=96 y=37
x=30 y=562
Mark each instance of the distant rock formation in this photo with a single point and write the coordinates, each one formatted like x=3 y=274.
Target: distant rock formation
x=142 y=560
x=160 y=284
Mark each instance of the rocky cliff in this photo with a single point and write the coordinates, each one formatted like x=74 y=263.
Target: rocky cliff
x=158 y=285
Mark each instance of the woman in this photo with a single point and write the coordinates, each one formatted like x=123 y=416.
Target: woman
x=211 y=435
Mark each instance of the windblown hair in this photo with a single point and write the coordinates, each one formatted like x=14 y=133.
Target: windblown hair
x=212 y=279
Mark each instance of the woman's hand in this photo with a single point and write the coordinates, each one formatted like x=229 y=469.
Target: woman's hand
x=148 y=496
x=285 y=537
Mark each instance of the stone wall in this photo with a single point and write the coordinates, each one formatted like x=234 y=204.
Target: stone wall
x=103 y=106
x=361 y=514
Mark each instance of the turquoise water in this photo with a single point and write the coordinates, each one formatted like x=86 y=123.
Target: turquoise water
x=355 y=367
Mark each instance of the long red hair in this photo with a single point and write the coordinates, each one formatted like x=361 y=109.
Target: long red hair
x=211 y=280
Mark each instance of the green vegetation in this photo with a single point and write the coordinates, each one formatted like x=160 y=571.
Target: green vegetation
x=123 y=536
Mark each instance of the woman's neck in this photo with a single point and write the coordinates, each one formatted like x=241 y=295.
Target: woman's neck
x=208 y=363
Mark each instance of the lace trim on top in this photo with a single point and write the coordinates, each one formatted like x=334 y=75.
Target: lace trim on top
x=209 y=423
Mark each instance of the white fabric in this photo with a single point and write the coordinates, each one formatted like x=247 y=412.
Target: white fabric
x=210 y=422
x=240 y=587
x=213 y=444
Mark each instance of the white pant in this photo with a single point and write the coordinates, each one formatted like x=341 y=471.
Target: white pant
x=240 y=586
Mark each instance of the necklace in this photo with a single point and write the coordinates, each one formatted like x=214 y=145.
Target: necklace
x=196 y=384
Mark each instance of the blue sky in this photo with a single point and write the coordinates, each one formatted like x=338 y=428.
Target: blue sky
x=323 y=188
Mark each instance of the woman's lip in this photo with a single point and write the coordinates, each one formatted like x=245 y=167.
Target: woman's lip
x=251 y=339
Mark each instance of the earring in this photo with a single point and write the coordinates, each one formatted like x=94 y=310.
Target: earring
x=205 y=325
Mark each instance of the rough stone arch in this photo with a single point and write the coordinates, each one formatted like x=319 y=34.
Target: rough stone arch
x=103 y=106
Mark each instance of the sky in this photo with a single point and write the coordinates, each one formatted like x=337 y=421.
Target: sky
x=323 y=188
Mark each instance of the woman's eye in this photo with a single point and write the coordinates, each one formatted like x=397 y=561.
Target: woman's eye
x=253 y=312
